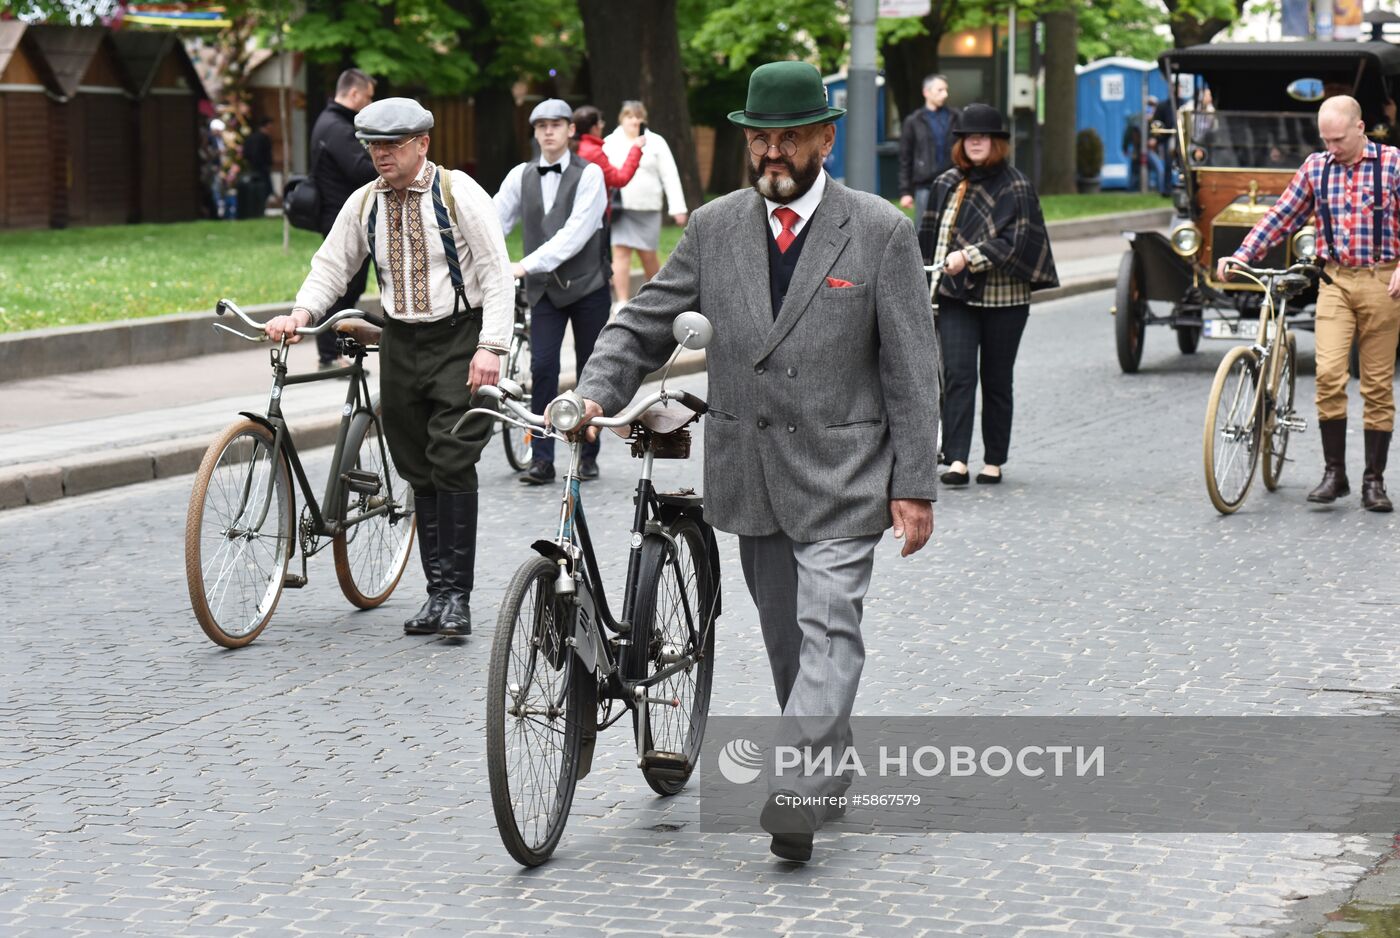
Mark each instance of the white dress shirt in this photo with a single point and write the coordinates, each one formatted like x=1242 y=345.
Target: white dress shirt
x=481 y=253
x=590 y=203
x=804 y=206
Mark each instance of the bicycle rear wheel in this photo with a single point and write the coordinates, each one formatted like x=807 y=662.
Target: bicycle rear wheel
x=518 y=440
x=676 y=602
x=239 y=534
x=373 y=550
x=534 y=716
x=1276 y=437
x=1233 y=429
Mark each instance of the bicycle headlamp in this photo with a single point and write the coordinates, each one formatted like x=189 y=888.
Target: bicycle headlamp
x=1305 y=243
x=565 y=412
x=1186 y=239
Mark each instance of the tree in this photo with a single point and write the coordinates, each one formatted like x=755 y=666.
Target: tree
x=1121 y=27
x=1197 y=21
x=1061 y=43
x=634 y=52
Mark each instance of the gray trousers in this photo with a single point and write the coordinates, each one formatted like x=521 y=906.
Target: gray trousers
x=810 y=598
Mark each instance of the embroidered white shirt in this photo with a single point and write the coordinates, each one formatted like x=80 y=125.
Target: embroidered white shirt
x=417 y=286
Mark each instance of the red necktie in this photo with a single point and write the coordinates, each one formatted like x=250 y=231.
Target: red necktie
x=787 y=218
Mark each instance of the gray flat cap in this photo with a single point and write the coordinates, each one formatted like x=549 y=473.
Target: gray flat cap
x=551 y=109
x=392 y=118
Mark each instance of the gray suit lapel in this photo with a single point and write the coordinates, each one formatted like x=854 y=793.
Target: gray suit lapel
x=825 y=242
x=751 y=257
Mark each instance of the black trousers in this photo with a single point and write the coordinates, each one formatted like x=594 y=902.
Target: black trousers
x=547 y=323
x=978 y=339
x=424 y=370
x=325 y=342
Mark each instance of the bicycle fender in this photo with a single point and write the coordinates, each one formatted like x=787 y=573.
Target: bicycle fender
x=549 y=550
x=671 y=508
x=259 y=419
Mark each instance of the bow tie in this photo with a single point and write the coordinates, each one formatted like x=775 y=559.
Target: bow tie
x=556 y=168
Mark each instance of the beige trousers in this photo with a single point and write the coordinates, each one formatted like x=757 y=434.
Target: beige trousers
x=1356 y=305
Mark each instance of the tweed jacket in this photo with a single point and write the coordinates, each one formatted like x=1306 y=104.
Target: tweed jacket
x=818 y=418
x=1001 y=225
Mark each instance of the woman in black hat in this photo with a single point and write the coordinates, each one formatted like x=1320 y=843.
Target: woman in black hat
x=985 y=227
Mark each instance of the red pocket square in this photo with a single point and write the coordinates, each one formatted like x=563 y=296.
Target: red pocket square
x=834 y=282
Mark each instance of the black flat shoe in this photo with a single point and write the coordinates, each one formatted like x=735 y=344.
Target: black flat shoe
x=539 y=473
x=791 y=826
x=953 y=478
x=984 y=479
x=588 y=470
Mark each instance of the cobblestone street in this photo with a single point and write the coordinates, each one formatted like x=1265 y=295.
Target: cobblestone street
x=331 y=779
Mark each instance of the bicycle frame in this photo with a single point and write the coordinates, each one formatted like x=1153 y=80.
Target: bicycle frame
x=1273 y=328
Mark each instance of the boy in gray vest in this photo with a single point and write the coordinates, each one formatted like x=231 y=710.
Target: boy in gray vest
x=559 y=201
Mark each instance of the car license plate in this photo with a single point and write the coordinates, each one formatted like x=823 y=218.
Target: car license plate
x=1231 y=329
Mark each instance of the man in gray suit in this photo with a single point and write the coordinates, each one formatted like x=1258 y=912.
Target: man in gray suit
x=823 y=396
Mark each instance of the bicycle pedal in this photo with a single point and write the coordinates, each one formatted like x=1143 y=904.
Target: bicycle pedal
x=361 y=481
x=1295 y=424
x=671 y=766
x=293 y=581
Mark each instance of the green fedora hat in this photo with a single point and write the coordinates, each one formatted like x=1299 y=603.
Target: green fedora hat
x=785 y=94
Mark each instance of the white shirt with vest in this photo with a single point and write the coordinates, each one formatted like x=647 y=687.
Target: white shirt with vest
x=417 y=285
x=590 y=205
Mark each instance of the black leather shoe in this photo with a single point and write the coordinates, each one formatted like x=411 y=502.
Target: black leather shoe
x=539 y=473
x=588 y=469
x=427 y=620
x=791 y=825
x=985 y=479
x=456 y=618
x=1333 y=486
x=953 y=478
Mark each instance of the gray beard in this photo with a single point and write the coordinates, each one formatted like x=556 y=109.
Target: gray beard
x=783 y=191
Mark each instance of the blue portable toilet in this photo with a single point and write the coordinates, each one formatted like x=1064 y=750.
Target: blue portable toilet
x=887 y=161
x=1109 y=98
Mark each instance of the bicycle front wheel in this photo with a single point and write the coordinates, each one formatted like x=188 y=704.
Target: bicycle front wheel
x=534 y=716
x=1276 y=435
x=373 y=549
x=676 y=603
x=1233 y=429
x=519 y=441
x=239 y=534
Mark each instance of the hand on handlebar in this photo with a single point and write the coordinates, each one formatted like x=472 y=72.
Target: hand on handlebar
x=284 y=327
x=591 y=409
x=1222 y=267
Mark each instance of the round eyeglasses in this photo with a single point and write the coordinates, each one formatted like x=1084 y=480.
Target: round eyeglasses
x=384 y=145
x=787 y=146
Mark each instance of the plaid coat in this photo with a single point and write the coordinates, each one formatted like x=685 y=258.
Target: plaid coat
x=1000 y=220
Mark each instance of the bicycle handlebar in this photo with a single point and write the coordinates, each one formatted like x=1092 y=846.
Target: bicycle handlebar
x=1302 y=267
x=627 y=417
x=229 y=306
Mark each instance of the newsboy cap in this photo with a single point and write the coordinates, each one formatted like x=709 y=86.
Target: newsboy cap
x=551 y=109
x=392 y=118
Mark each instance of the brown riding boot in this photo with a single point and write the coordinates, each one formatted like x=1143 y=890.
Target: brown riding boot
x=1373 y=497
x=1334 y=483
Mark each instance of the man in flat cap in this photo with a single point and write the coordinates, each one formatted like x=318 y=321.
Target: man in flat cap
x=559 y=200
x=445 y=285
x=822 y=390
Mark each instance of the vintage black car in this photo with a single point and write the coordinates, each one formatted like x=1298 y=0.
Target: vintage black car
x=1234 y=156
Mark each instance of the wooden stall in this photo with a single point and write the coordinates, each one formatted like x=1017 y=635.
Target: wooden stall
x=27 y=169
x=168 y=92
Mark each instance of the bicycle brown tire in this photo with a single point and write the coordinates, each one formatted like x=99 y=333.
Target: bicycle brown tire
x=1228 y=503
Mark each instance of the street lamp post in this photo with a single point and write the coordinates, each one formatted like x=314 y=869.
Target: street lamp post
x=860 y=99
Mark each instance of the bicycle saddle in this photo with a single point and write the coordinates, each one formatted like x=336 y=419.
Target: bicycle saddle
x=661 y=419
x=365 y=333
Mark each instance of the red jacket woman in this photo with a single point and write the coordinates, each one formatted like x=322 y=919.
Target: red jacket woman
x=587 y=120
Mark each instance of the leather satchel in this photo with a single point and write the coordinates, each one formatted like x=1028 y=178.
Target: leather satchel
x=301 y=200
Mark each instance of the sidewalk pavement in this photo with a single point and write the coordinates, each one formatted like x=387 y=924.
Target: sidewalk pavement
x=72 y=434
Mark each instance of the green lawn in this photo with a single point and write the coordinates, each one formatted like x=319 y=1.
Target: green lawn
x=86 y=275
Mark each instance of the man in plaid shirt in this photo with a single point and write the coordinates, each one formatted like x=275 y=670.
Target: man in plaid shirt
x=1354 y=187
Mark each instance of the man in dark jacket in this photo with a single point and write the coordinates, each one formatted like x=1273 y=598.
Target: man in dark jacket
x=925 y=146
x=340 y=165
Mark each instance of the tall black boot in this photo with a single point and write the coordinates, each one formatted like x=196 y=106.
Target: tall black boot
x=1373 y=497
x=425 y=620
x=1334 y=457
x=457 y=534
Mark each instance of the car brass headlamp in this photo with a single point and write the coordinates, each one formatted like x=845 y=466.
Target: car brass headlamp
x=1186 y=239
x=1305 y=244
x=565 y=412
